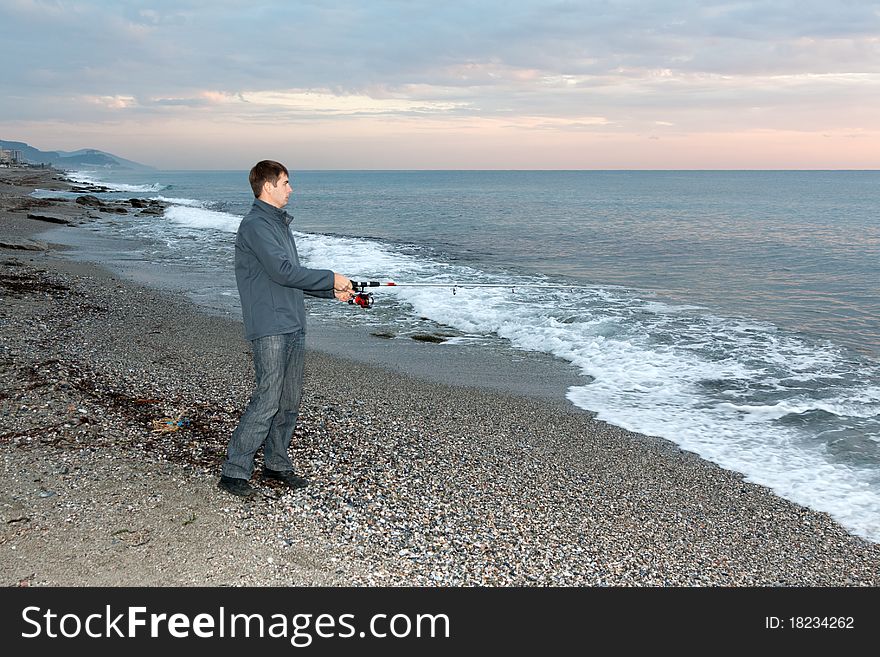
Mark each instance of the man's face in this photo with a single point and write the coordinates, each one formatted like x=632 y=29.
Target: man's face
x=279 y=193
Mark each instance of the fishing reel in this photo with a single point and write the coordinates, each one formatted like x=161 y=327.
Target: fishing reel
x=361 y=298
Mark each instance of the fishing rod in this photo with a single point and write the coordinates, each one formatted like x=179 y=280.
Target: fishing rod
x=364 y=299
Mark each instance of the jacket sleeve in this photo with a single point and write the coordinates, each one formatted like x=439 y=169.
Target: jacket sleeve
x=324 y=294
x=275 y=260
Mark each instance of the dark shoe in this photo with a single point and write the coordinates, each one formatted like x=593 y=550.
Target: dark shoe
x=288 y=478
x=236 y=486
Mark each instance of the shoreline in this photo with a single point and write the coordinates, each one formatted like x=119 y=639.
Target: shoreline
x=548 y=377
x=431 y=484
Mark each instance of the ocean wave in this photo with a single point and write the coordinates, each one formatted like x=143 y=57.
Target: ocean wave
x=200 y=218
x=838 y=408
x=89 y=179
x=191 y=202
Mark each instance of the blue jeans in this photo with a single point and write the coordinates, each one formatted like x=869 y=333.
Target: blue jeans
x=270 y=417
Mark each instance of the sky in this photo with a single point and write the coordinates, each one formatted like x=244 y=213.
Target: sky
x=459 y=84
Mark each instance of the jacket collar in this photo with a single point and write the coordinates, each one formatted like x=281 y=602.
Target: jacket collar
x=279 y=214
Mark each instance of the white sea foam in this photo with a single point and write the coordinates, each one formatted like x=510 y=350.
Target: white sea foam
x=191 y=202
x=201 y=218
x=88 y=178
x=361 y=258
x=797 y=406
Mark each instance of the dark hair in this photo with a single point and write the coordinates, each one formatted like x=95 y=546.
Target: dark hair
x=265 y=171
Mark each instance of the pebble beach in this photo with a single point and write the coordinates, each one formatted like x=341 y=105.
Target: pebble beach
x=117 y=400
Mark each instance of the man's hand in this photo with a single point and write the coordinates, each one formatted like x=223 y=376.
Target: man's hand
x=342 y=287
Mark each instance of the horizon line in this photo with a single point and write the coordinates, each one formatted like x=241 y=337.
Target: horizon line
x=485 y=170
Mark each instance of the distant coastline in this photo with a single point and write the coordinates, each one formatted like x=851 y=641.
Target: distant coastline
x=18 y=152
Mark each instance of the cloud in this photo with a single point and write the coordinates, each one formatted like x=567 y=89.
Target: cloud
x=112 y=102
x=326 y=103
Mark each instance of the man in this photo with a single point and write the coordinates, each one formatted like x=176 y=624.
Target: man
x=271 y=284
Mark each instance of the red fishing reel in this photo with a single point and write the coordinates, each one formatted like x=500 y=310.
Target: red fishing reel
x=362 y=299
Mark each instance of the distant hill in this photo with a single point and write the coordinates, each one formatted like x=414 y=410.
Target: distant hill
x=85 y=158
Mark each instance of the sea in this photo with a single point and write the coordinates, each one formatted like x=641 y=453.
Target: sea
x=734 y=313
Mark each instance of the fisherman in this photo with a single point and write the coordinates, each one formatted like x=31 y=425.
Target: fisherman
x=271 y=284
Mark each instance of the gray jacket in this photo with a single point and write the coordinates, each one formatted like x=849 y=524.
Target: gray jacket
x=270 y=279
